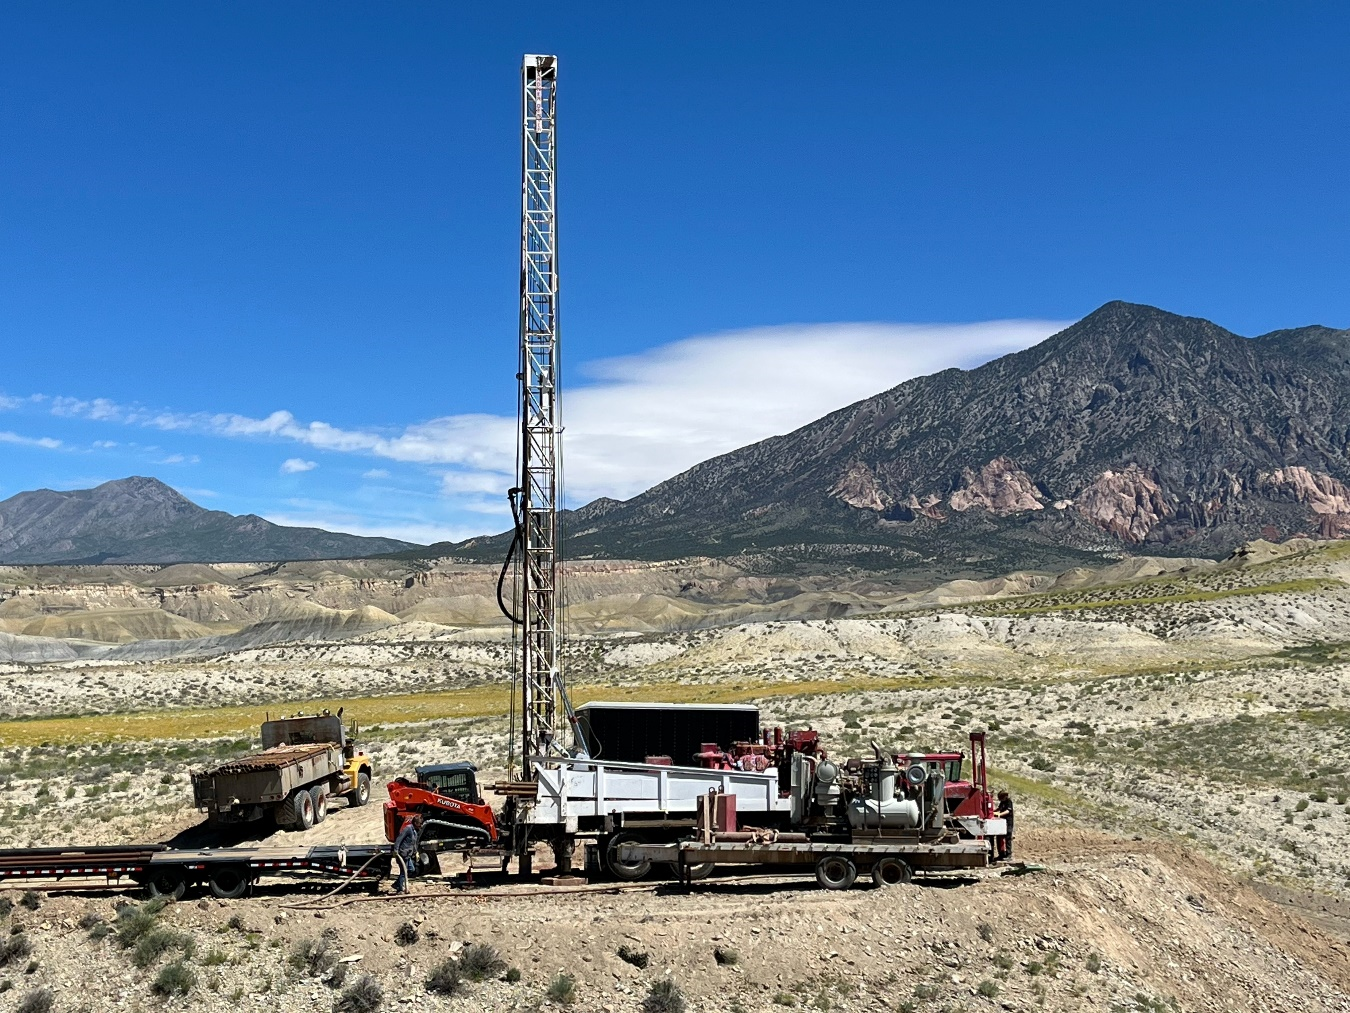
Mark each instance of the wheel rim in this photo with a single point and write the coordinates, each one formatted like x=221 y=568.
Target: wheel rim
x=305 y=810
x=363 y=789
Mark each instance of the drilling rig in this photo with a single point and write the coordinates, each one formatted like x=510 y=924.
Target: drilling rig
x=564 y=784
x=543 y=698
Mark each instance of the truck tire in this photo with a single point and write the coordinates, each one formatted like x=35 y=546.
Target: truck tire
x=360 y=795
x=319 y=796
x=229 y=882
x=836 y=872
x=169 y=883
x=629 y=871
x=304 y=809
x=890 y=872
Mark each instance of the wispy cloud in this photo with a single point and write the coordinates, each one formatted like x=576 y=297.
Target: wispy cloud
x=375 y=473
x=296 y=465
x=9 y=403
x=180 y=459
x=45 y=442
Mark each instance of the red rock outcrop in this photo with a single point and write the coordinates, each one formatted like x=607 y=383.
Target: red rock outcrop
x=859 y=488
x=1328 y=498
x=1127 y=503
x=1000 y=487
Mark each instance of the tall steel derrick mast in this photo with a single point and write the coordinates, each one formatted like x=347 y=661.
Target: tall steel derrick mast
x=543 y=703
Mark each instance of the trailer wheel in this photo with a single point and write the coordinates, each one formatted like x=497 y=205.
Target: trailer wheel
x=360 y=795
x=890 y=872
x=701 y=870
x=168 y=883
x=229 y=882
x=625 y=870
x=835 y=872
x=319 y=795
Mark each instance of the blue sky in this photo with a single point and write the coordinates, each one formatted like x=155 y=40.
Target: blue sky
x=268 y=253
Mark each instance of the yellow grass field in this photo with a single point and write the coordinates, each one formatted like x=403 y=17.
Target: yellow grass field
x=473 y=702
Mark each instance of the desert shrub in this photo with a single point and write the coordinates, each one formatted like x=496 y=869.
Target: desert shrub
x=785 y=999
x=988 y=989
x=563 y=990
x=1034 y=967
x=364 y=995
x=663 y=997
x=446 y=978
x=99 y=930
x=726 y=956
x=158 y=941
x=1003 y=962
x=1302 y=804
x=1093 y=963
x=135 y=921
x=215 y=958
x=312 y=956
x=6 y=906
x=89 y=919
x=638 y=958
x=235 y=923
x=5 y=985
x=922 y=991
x=406 y=934
x=337 y=977
x=986 y=931
x=1041 y=762
x=15 y=947
x=512 y=975
x=30 y=901
x=40 y=1000
x=174 y=979
x=479 y=961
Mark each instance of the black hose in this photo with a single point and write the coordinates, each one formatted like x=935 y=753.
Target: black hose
x=510 y=554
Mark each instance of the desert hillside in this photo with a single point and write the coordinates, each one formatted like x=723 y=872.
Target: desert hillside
x=1173 y=730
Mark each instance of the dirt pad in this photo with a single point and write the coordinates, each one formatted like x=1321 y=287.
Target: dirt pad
x=1113 y=925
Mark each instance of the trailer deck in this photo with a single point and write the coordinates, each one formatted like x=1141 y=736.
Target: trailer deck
x=228 y=872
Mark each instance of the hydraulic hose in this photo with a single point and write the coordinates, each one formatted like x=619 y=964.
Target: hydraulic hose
x=510 y=555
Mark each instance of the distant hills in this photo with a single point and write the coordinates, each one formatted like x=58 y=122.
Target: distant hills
x=142 y=520
x=1134 y=430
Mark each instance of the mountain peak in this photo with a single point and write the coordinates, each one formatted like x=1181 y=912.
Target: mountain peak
x=143 y=520
x=1132 y=427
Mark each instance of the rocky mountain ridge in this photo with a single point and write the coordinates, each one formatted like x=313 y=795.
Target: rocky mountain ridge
x=1134 y=430
x=142 y=520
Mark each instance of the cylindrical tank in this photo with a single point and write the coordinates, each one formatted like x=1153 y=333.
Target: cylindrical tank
x=869 y=814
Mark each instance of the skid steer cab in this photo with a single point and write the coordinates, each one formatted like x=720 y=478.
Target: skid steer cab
x=446 y=796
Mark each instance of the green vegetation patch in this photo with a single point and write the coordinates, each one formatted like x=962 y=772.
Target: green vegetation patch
x=1025 y=606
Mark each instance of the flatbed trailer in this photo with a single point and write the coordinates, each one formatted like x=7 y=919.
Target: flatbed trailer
x=837 y=863
x=169 y=872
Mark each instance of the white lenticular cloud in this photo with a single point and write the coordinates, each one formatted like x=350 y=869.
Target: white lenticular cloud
x=636 y=420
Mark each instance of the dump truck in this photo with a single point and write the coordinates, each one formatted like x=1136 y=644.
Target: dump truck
x=306 y=761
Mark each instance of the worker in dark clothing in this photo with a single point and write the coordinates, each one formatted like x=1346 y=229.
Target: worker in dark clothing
x=405 y=851
x=1004 y=811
